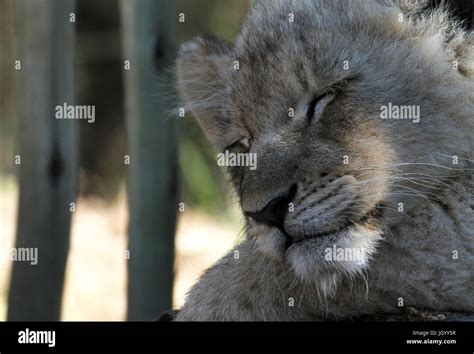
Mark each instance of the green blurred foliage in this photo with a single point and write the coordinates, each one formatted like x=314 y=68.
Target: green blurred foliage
x=204 y=183
x=221 y=18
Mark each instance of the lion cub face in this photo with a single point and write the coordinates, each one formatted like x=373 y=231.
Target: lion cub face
x=303 y=98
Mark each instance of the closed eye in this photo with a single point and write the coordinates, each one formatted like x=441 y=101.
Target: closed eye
x=243 y=142
x=318 y=103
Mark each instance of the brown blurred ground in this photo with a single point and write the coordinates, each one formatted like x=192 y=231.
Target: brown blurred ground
x=96 y=274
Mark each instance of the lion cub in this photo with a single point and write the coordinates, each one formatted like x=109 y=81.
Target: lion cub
x=360 y=116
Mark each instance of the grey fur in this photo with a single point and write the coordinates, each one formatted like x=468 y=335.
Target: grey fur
x=409 y=257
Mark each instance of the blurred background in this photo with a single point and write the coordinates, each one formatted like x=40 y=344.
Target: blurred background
x=100 y=200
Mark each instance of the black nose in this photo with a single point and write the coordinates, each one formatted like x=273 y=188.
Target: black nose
x=275 y=211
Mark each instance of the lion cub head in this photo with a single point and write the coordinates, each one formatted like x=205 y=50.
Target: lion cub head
x=341 y=105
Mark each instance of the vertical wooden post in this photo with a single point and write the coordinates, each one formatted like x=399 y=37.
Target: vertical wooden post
x=48 y=153
x=149 y=46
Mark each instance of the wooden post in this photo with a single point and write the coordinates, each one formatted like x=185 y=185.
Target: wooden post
x=149 y=48
x=48 y=155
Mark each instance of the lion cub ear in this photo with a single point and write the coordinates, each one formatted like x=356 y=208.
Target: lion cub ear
x=204 y=72
x=465 y=55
